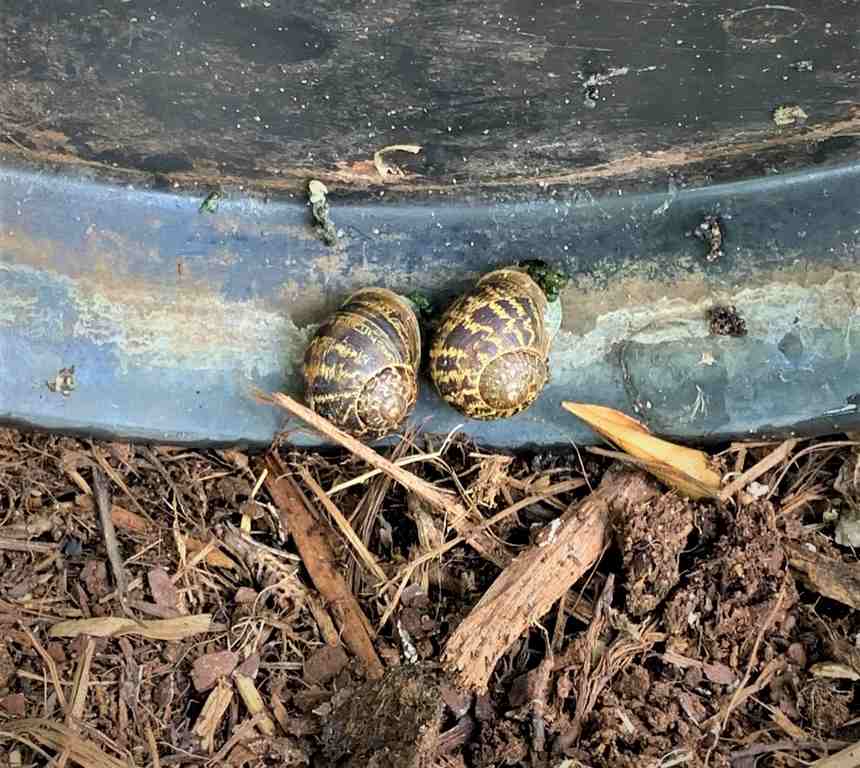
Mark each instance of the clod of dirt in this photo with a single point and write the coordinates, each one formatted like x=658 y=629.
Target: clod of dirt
x=651 y=538
x=725 y=321
x=392 y=722
x=825 y=707
x=734 y=591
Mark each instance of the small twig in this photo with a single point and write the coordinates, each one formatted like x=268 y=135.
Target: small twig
x=774 y=458
x=103 y=506
x=320 y=562
x=19 y=545
x=362 y=552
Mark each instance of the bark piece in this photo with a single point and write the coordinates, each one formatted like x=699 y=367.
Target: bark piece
x=527 y=589
x=212 y=667
x=831 y=578
x=318 y=556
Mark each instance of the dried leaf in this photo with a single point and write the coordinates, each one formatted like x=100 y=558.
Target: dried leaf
x=834 y=671
x=119 y=626
x=685 y=469
x=215 y=557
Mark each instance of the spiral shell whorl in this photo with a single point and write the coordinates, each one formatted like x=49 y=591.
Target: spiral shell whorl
x=361 y=366
x=489 y=356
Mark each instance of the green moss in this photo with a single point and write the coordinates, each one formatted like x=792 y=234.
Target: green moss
x=551 y=280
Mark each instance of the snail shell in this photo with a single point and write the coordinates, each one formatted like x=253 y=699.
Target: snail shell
x=361 y=367
x=489 y=357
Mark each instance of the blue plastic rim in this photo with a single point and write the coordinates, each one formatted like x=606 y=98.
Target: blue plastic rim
x=170 y=317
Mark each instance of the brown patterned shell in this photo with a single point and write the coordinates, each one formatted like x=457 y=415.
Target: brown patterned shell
x=489 y=357
x=361 y=367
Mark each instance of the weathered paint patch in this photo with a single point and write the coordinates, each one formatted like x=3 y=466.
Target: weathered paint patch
x=154 y=326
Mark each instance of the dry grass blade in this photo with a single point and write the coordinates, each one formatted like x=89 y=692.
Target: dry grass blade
x=361 y=551
x=18 y=545
x=318 y=557
x=179 y=628
x=685 y=469
x=444 y=502
x=51 y=666
x=62 y=738
x=773 y=459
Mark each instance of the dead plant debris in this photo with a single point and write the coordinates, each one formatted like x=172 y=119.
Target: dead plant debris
x=164 y=606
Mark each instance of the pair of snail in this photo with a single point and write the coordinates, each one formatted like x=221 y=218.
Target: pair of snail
x=488 y=356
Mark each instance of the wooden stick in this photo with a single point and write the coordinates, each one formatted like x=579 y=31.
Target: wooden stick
x=444 y=502
x=364 y=555
x=301 y=521
x=103 y=506
x=538 y=577
x=757 y=470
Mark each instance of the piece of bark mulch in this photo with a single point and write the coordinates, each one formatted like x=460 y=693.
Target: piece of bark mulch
x=211 y=667
x=325 y=664
x=392 y=722
x=164 y=591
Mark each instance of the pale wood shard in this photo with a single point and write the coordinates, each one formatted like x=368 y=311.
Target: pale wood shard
x=254 y=703
x=211 y=715
x=179 y=628
x=831 y=578
x=688 y=470
x=526 y=590
x=319 y=559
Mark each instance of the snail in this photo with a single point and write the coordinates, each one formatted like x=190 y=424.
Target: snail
x=489 y=357
x=361 y=367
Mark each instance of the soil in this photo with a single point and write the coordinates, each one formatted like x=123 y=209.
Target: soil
x=714 y=633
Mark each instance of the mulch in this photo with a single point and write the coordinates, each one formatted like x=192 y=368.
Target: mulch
x=162 y=606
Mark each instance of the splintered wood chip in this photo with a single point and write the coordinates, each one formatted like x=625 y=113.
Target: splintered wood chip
x=153 y=629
